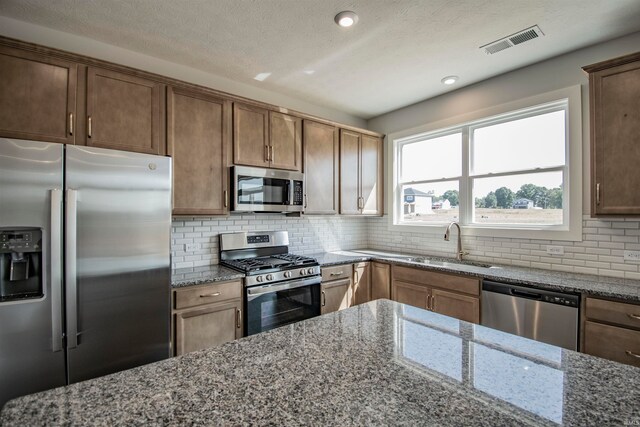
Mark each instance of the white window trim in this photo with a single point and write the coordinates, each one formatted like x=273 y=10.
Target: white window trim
x=572 y=228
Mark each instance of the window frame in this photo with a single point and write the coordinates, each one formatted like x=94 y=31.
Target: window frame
x=568 y=99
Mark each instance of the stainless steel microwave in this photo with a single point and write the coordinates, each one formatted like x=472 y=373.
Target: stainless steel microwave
x=266 y=190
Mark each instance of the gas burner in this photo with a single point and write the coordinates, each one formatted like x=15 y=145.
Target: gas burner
x=296 y=259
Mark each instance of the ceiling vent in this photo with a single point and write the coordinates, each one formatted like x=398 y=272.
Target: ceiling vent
x=513 y=40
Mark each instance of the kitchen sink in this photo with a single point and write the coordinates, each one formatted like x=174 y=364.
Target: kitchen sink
x=426 y=260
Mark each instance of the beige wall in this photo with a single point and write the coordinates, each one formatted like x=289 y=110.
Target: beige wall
x=93 y=48
x=556 y=73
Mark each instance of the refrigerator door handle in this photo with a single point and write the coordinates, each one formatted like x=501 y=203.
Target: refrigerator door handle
x=55 y=258
x=71 y=269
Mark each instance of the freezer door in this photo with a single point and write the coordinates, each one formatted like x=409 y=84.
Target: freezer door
x=31 y=356
x=118 y=225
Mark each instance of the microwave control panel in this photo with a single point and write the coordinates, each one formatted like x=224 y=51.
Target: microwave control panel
x=297 y=193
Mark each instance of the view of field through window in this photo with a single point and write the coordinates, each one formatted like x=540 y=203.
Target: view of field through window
x=515 y=173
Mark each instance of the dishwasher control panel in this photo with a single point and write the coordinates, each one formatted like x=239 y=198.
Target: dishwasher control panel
x=571 y=302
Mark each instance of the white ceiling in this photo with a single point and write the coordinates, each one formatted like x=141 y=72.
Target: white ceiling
x=395 y=56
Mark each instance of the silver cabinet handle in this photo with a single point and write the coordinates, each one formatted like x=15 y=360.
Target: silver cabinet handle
x=337 y=273
x=273 y=154
x=70 y=123
x=634 y=316
x=71 y=277
x=632 y=354
x=215 y=294
x=89 y=127
x=324 y=299
x=305 y=201
x=238 y=318
x=266 y=153
x=55 y=259
x=597 y=193
x=226 y=198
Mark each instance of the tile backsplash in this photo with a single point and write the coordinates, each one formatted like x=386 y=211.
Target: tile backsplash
x=307 y=234
x=600 y=252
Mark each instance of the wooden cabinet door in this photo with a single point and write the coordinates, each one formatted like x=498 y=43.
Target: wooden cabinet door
x=250 y=135
x=207 y=326
x=37 y=97
x=349 y=172
x=361 y=283
x=335 y=296
x=615 y=126
x=410 y=294
x=321 y=162
x=198 y=139
x=380 y=281
x=371 y=175
x=613 y=343
x=124 y=112
x=285 y=139
x=459 y=306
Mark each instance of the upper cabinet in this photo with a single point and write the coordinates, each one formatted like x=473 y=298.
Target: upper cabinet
x=360 y=174
x=124 y=112
x=37 y=97
x=614 y=101
x=266 y=138
x=321 y=162
x=198 y=137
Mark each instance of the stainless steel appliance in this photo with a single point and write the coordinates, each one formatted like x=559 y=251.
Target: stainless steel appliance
x=280 y=288
x=85 y=263
x=266 y=190
x=547 y=316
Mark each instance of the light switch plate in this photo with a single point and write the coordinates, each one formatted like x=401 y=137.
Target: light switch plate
x=555 y=250
x=632 y=256
x=190 y=247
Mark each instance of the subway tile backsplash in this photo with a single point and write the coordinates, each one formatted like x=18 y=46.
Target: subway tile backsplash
x=194 y=242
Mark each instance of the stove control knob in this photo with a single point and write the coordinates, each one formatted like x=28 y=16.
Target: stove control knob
x=303 y=272
x=287 y=274
x=310 y=271
x=259 y=279
x=269 y=276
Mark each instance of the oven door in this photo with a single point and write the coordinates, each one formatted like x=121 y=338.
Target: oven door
x=272 y=306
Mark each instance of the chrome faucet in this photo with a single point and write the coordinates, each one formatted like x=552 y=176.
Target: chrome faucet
x=447 y=234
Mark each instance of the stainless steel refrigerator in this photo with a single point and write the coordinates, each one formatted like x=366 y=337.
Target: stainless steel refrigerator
x=84 y=263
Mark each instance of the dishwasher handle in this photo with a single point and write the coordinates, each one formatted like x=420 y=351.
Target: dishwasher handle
x=531 y=293
x=525 y=294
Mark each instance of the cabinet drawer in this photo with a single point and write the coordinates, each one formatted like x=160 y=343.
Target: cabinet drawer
x=207 y=294
x=618 y=313
x=337 y=272
x=463 y=284
x=613 y=343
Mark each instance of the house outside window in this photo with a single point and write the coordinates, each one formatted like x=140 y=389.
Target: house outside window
x=507 y=172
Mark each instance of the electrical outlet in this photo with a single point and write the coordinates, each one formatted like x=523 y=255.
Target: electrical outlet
x=190 y=247
x=555 y=250
x=632 y=255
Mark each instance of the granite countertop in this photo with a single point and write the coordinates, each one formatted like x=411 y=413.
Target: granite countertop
x=612 y=287
x=198 y=275
x=380 y=363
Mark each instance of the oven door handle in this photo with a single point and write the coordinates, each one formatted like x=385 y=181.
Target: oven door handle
x=267 y=289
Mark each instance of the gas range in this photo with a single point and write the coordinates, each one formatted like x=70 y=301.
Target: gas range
x=264 y=257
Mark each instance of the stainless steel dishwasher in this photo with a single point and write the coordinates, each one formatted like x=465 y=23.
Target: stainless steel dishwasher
x=547 y=316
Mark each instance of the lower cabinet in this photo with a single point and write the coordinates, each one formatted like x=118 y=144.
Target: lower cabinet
x=345 y=285
x=206 y=316
x=452 y=295
x=612 y=330
x=336 y=295
x=380 y=281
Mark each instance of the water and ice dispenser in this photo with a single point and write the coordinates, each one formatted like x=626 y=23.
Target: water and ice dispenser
x=20 y=264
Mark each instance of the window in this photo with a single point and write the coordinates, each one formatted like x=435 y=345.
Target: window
x=509 y=171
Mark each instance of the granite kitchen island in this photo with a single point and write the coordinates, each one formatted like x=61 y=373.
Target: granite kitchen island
x=380 y=363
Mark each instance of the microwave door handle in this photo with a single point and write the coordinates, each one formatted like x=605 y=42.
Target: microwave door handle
x=287 y=200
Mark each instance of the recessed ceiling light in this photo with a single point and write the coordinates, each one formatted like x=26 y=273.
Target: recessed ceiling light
x=261 y=77
x=346 y=18
x=449 y=80
x=309 y=72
